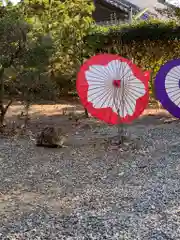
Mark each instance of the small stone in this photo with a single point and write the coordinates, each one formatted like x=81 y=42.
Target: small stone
x=121 y=174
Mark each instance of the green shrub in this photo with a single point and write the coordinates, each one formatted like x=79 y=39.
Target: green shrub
x=148 y=44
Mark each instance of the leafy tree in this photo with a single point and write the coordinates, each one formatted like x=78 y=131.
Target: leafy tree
x=24 y=60
x=76 y=23
x=42 y=43
x=66 y=23
x=32 y=81
x=13 y=31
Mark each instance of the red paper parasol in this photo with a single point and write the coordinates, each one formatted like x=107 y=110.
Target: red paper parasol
x=112 y=88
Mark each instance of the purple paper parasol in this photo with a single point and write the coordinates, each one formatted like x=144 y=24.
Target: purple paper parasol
x=167 y=87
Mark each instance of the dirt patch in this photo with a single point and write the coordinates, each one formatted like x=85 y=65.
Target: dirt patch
x=69 y=116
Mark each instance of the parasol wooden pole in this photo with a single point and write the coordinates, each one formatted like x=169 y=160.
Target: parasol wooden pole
x=120 y=129
x=120 y=125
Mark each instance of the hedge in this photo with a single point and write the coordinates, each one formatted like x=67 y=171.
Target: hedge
x=149 y=44
x=137 y=31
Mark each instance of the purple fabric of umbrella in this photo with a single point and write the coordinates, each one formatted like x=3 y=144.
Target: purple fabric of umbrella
x=167 y=87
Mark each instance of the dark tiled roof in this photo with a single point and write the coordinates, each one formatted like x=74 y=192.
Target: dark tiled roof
x=123 y=5
x=137 y=5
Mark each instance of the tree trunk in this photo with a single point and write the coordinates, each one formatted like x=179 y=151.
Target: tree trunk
x=86 y=113
x=2 y=116
x=1 y=97
x=26 y=120
x=3 y=112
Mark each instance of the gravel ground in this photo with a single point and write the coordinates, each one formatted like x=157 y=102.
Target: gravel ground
x=89 y=192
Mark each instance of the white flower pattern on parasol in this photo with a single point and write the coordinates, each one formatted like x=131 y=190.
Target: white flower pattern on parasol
x=172 y=85
x=114 y=86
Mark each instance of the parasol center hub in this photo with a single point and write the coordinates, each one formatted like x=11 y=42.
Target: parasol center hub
x=117 y=83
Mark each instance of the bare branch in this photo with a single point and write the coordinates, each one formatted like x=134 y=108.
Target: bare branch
x=7 y=106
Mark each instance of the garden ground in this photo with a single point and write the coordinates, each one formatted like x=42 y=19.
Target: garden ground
x=91 y=189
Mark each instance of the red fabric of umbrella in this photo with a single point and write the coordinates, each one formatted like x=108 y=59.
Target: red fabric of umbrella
x=112 y=87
